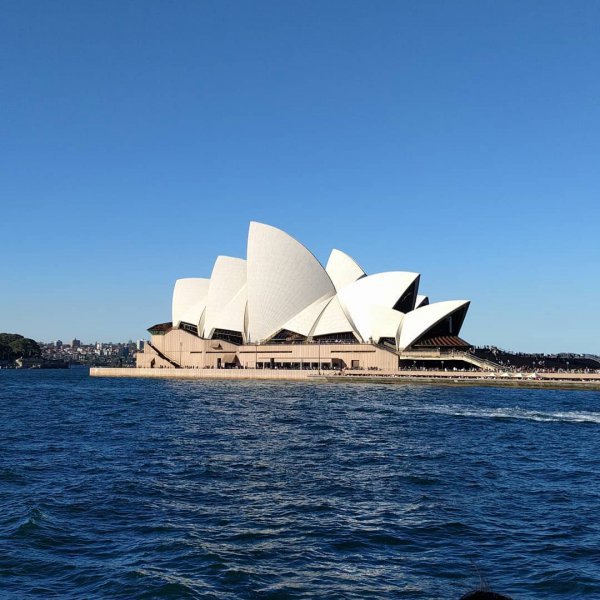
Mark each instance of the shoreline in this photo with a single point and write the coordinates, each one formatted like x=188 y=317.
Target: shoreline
x=571 y=381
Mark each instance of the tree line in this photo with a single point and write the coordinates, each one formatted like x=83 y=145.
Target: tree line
x=13 y=346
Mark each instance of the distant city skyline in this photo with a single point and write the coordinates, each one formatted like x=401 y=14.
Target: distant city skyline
x=455 y=140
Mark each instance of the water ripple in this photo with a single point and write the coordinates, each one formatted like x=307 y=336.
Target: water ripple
x=227 y=490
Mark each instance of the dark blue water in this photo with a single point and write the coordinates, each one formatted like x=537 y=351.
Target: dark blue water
x=162 y=489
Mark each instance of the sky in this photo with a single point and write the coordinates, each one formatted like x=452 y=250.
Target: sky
x=457 y=139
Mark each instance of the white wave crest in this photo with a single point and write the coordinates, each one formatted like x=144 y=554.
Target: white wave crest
x=514 y=413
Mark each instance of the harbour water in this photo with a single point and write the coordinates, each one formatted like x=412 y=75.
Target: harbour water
x=134 y=488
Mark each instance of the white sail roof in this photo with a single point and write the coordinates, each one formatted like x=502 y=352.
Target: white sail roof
x=417 y=322
x=381 y=289
x=226 y=301
x=421 y=301
x=305 y=320
x=333 y=320
x=342 y=269
x=385 y=323
x=189 y=300
x=284 y=278
x=282 y=285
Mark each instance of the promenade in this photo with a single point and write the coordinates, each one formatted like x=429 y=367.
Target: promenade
x=565 y=380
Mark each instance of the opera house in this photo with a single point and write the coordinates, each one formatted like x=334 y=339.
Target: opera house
x=281 y=309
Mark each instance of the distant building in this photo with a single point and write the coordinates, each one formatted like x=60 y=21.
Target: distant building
x=75 y=343
x=139 y=345
x=280 y=308
x=28 y=363
x=40 y=363
x=58 y=344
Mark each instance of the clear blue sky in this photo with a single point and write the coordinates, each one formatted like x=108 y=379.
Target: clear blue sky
x=457 y=139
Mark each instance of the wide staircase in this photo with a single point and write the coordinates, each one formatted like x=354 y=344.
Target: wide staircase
x=439 y=354
x=482 y=363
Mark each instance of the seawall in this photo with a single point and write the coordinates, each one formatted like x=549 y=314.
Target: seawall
x=204 y=373
x=585 y=381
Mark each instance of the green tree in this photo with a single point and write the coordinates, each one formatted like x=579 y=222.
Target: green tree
x=9 y=338
x=25 y=348
x=6 y=352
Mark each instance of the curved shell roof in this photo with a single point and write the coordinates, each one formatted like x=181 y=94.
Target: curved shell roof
x=385 y=323
x=417 y=322
x=282 y=285
x=284 y=278
x=226 y=301
x=421 y=301
x=189 y=300
x=304 y=321
x=382 y=289
x=333 y=320
x=342 y=269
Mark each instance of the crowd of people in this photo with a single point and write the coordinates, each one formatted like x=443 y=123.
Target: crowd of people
x=538 y=363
